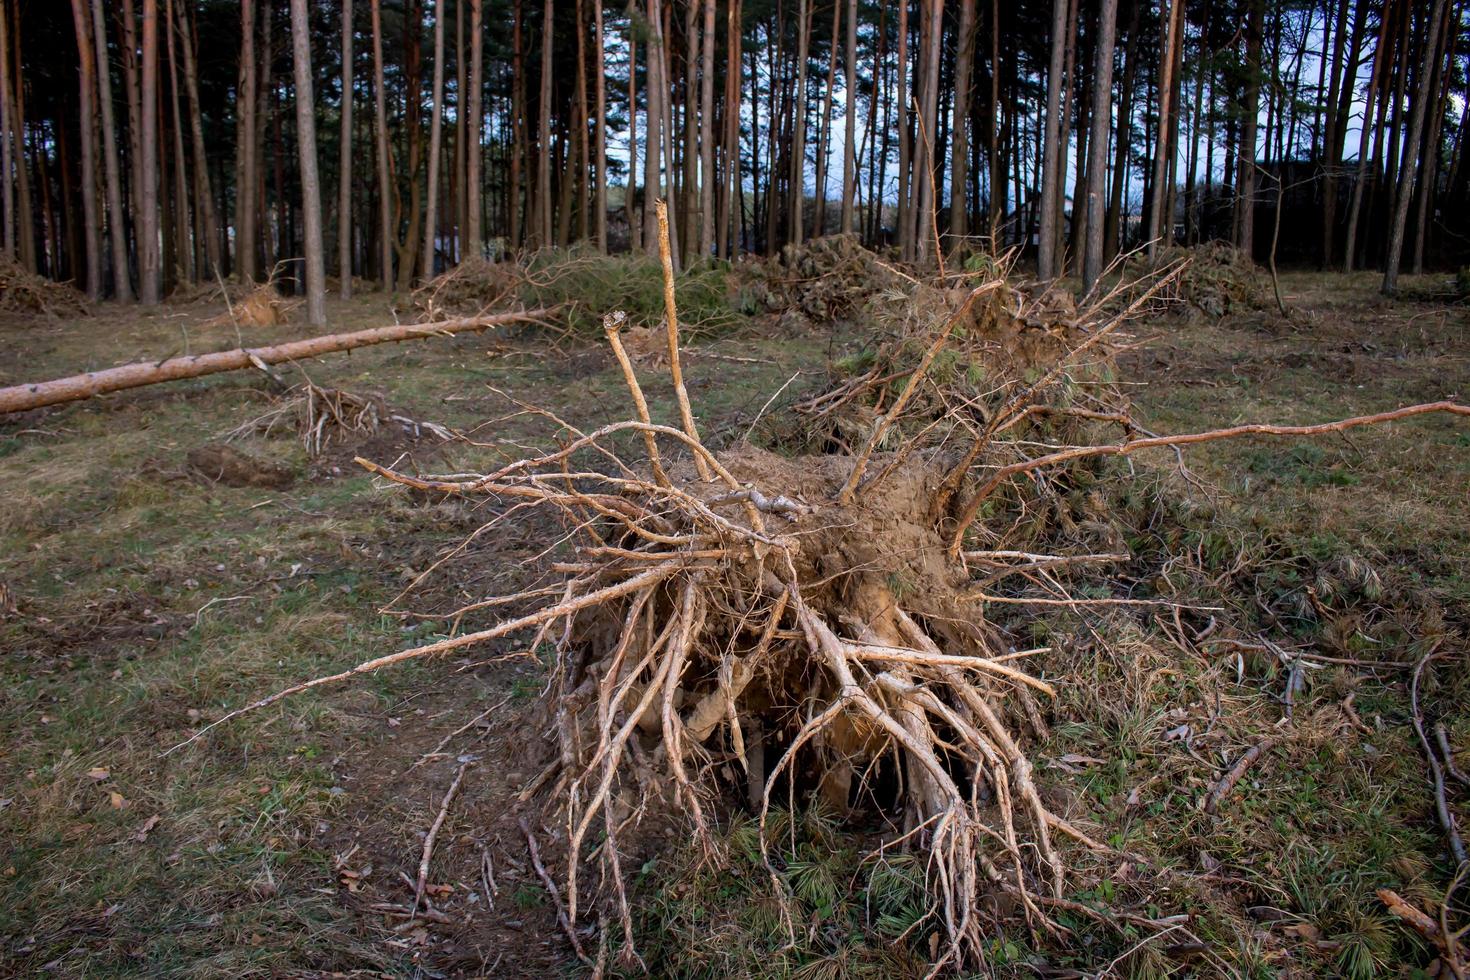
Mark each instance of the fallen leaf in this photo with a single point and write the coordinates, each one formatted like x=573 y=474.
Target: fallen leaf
x=1081 y=760
x=118 y=800
x=98 y=774
x=147 y=828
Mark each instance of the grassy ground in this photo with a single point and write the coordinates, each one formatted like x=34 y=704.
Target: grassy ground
x=149 y=600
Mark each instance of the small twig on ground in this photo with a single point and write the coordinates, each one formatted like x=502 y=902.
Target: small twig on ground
x=1224 y=786
x=433 y=835
x=561 y=915
x=218 y=600
x=1436 y=768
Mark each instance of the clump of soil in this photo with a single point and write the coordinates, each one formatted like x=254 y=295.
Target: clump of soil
x=220 y=463
x=25 y=292
x=825 y=279
x=1218 y=279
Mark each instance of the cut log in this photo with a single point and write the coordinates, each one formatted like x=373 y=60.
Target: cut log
x=20 y=398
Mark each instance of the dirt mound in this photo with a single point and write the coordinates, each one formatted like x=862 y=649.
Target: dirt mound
x=824 y=279
x=219 y=463
x=1218 y=279
x=26 y=292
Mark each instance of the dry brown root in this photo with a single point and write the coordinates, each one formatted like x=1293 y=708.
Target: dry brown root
x=758 y=596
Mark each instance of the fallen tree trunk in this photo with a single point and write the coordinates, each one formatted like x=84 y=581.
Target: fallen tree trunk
x=20 y=398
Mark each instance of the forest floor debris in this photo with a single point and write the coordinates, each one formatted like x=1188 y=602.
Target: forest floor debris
x=1218 y=279
x=25 y=292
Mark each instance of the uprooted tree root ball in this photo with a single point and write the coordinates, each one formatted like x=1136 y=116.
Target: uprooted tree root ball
x=747 y=626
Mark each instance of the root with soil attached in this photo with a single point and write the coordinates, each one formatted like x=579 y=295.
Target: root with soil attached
x=714 y=611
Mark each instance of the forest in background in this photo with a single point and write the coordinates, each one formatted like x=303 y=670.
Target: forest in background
x=152 y=143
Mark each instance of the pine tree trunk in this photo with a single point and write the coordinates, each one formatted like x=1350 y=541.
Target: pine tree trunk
x=959 y=217
x=1051 y=185
x=1375 y=83
x=1245 y=182
x=902 y=130
x=630 y=193
x=824 y=139
x=1330 y=141
x=1097 y=153
x=148 y=240
x=246 y=177
x=1444 y=63
x=653 y=129
x=849 y=153
x=311 y=191
x=436 y=130
x=707 y=222
x=928 y=149
x=520 y=198
x=728 y=233
x=1160 y=218
x=87 y=71
x=344 y=161
x=474 y=148
x=11 y=157
x=122 y=284
x=599 y=135
x=182 y=205
x=543 y=154
x=203 y=189
x=386 y=233
x=1423 y=95
x=798 y=121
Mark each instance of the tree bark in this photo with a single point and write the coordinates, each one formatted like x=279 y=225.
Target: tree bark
x=928 y=149
x=1422 y=97
x=344 y=161
x=1161 y=218
x=12 y=158
x=1245 y=182
x=245 y=146
x=87 y=76
x=707 y=220
x=474 y=206
x=599 y=136
x=122 y=284
x=849 y=152
x=203 y=189
x=148 y=241
x=959 y=216
x=1051 y=185
x=630 y=193
x=1375 y=83
x=798 y=110
x=311 y=191
x=905 y=157
x=543 y=135
x=183 y=264
x=1097 y=151
x=436 y=130
x=386 y=233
